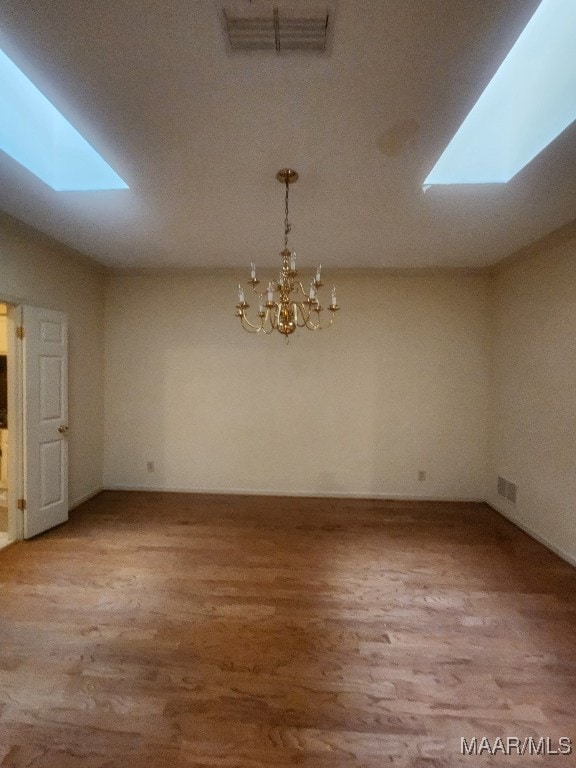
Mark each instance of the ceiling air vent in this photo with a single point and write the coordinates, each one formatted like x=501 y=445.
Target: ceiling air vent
x=289 y=26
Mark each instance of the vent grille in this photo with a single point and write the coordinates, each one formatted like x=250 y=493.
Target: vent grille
x=511 y=491
x=507 y=489
x=276 y=28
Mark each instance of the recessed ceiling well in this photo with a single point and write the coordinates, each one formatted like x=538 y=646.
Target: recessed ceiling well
x=38 y=137
x=530 y=100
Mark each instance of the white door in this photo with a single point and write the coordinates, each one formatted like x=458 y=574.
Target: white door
x=45 y=407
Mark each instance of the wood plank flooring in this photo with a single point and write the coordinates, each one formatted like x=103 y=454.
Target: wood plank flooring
x=158 y=630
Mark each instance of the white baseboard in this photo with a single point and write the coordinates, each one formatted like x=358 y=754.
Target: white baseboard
x=297 y=494
x=568 y=556
x=87 y=497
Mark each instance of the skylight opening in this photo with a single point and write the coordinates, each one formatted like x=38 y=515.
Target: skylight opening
x=37 y=136
x=530 y=100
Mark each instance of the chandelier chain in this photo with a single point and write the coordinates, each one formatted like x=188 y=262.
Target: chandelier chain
x=287 y=225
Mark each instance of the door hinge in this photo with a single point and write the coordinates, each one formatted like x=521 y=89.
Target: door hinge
x=22 y=504
x=20 y=332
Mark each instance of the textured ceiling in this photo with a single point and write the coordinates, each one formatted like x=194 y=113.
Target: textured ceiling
x=198 y=133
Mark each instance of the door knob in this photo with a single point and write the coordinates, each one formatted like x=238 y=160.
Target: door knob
x=63 y=428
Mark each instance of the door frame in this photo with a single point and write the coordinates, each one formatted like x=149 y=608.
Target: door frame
x=16 y=424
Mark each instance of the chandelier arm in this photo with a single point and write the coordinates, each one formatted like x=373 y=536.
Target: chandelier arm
x=298 y=313
x=267 y=322
x=248 y=326
x=270 y=330
x=272 y=316
x=319 y=327
x=313 y=326
x=299 y=285
x=304 y=314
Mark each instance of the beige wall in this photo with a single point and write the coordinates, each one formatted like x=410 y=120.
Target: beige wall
x=533 y=412
x=399 y=385
x=36 y=270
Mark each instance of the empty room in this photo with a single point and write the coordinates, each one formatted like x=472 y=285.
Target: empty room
x=287 y=383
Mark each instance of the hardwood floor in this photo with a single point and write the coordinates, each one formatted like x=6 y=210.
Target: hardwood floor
x=158 y=630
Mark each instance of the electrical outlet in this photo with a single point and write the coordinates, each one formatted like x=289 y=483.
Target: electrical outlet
x=421 y=475
x=150 y=466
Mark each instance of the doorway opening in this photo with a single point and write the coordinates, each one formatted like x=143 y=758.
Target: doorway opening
x=5 y=536
x=6 y=379
x=11 y=522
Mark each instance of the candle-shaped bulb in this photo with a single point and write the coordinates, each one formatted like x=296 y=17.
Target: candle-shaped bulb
x=252 y=271
x=293 y=261
x=318 y=273
x=312 y=290
x=240 y=294
x=334 y=296
x=270 y=293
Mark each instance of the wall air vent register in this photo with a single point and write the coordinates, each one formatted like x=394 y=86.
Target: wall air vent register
x=507 y=489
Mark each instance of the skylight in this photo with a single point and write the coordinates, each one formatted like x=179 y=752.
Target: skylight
x=530 y=100
x=36 y=135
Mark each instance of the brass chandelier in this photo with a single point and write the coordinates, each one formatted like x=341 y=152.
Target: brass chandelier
x=285 y=305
